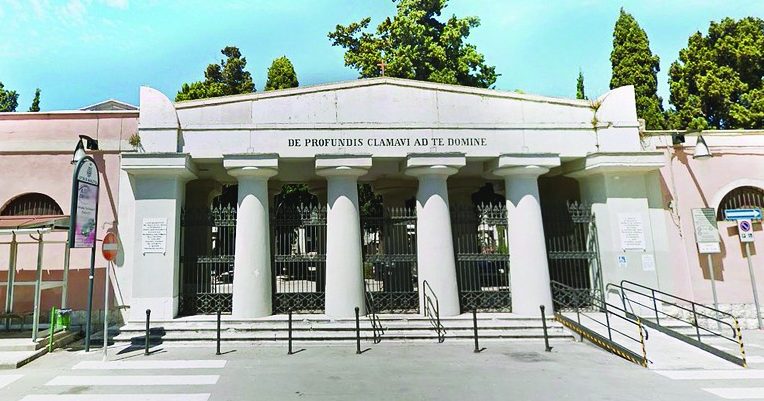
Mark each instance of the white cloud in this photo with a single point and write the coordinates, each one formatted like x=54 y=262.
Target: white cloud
x=120 y=4
x=73 y=11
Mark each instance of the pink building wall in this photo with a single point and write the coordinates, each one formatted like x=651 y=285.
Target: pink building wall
x=738 y=160
x=35 y=154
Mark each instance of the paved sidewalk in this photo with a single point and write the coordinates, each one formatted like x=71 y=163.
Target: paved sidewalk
x=388 y=371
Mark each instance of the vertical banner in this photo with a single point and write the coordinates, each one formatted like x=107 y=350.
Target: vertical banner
x=84 y=211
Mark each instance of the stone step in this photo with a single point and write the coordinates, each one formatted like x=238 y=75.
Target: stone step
x=335 y=336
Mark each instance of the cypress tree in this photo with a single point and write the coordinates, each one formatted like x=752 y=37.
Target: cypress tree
x=35 y=107
x=580 y=92
x=634 y=64
x=281 y=75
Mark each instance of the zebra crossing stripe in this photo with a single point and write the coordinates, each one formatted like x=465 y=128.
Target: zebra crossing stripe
x=712 y=374
x=117 y=397
x=155 y=380
x=162 y=365
x=8 y=379
x=737 y=393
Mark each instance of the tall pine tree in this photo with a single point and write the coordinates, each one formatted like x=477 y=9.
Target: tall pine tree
x=718 y=80
x=35 y=107
x=416 y=44
x=634 y=64
x=281 y=75
x=226 y=78
x=580 y=92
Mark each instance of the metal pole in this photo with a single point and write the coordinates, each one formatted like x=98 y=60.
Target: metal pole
x=11 y=280
x=290 y=333
x=65 y=289
x=37 y=289
x=475 y=329
x=713 y=288
x=148 y=317
x=357 y=333
x=90 y=298
x=106 y=314
x=713 y=279
x=546 y=336
x=218 y=337
x=753 y=283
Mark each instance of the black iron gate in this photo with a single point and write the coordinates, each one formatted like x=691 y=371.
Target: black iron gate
x=482 y=257
x=209 y=238
x=299 y=259
x=573 y=254
x=389 y=259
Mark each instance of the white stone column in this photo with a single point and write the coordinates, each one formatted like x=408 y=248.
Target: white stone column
x=252 y=261
x=528 y=266
x=344 y=264
x=435 y=247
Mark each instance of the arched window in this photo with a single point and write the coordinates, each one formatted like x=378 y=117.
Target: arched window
x=32 y=204
x=741 y=198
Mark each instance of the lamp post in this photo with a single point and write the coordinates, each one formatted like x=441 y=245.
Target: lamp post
x=84 y=213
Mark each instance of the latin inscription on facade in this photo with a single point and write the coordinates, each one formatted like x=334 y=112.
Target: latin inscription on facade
x=385 y=142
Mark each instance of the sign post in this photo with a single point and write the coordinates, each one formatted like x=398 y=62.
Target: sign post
x=744 y=219
x=707 y=238
x=745 y=230
x=84 y=222
x=109 y=249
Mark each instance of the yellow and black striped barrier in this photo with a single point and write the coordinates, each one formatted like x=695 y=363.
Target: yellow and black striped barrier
x=605 y=343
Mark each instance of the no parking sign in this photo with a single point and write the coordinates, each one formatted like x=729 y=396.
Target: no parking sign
x=745 y=229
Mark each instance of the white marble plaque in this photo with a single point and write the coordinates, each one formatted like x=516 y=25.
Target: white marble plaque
x=632 y=231
x=648 y=262
x=154 y=235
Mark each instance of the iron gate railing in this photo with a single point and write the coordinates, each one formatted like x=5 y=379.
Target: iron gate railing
x=209 y=238
x=299 y=259
x=390 y=259
x=572 y=251
x=482 y=257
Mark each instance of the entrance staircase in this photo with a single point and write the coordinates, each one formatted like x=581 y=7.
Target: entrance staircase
x=498 y=326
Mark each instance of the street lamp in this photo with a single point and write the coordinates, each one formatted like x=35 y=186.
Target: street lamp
x=701 y=149
x=79 y=150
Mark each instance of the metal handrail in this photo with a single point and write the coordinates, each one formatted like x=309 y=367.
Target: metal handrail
x=650 y=294
x=606 y=308
x=609 y=310
x=433 y=311
x=376 y=323
x=694 y=306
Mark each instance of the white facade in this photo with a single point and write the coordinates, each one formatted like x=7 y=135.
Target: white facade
x=406 y=138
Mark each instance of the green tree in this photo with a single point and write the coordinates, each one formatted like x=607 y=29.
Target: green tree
x=281 y=75
x=226 y=78
x=415 y=44
x=634 y=64
x=35 y=107
x=9 y=99
x=717 y=80
x=580 y=93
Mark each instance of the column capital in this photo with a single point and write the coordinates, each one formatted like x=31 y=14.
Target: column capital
x=614 y=163
x=523 y=164
x=159 y=165
x=434 y=164
x=264 y=165
x=342 y=165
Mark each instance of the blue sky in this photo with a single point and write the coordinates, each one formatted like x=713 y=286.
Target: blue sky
x=82 y=51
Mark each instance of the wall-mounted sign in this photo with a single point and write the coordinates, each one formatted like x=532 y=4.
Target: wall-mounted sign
x=622 y=261
x=706 y=230
x=154 y=235
x=648 y=262
x=632 y=231
x=742 y=214
x=84 y=210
